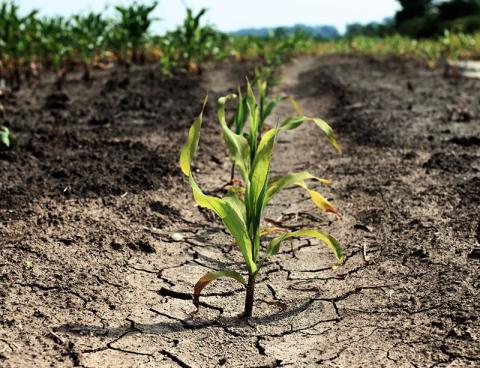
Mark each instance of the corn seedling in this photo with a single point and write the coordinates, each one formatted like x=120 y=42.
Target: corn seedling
x=242 y=209
x=7 y=139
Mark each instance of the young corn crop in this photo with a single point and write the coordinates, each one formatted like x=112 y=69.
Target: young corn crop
x=30 y=44
x=131 y=31
x=191 y=44
x=242 y=208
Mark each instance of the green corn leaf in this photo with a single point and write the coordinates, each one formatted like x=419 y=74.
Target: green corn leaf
x=274 y=245
x=232 y=220
x=295 y=122
x=7 y=139
x=190 y=147
x=241 y=113
x=270 y=105
x=257 y=188
x=254 y=115
x=237 y=144
x=237 y=205
x=230 y=216
x=292 y=122
x=278 y=183
x=4 y=137
x=211 y=276
x=261 y=167
x=327 y=129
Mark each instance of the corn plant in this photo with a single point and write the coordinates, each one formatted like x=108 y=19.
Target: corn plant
x=192 y=43
x=89 y=37
x=130 y=32
x=242 y=208
x=14 y=40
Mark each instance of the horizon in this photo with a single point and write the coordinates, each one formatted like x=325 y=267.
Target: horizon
x=231 y=16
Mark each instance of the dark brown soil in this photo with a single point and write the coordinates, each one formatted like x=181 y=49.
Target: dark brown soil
x=90 y=199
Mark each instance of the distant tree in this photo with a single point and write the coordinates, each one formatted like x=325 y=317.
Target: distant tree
x=370 y=29
x=412 y=9
x=454 y=9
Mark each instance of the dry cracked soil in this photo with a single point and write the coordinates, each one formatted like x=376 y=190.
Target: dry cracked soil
x=91 y=276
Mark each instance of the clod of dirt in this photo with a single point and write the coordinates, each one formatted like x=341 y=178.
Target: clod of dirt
x=466 y=141
x=117 y=244
x=142 y=245
x=470 y=191
x=57 y=100
x=363 y=227
x=474 y=254
x=99 y=120
x=66 y=241
x=411 y=155
x=420 y=253
x=459 y=114
x=449 y=162
x=163 y=209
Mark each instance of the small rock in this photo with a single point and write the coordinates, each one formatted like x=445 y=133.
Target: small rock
x=116 y=244
x=363 y=227
x=474 y=254
x=145 y=246
x=177 y=237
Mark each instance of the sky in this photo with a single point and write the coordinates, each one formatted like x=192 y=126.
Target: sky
x=231 y=15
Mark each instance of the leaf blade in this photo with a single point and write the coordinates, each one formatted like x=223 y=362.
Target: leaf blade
x=190 y=147
x=274 y=246
x=212 y=276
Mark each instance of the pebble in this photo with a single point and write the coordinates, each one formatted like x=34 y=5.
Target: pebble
x=177 y=237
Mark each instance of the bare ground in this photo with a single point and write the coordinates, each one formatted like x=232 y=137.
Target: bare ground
x=88 y=203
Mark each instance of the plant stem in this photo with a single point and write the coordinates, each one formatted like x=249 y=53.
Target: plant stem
x=232 y=173
x=249 y=295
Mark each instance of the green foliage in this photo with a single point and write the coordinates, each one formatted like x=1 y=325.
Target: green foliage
x=412 y=9
x=54 y=42
x=89 y=33
x=14 y=41
x=30 y=44
x=130 y=31
x=242 y=209
x=7 y=139
x=427 y=18
x=191 y=44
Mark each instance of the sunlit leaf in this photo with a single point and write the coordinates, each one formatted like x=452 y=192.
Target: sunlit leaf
x=276 y=184
x=237 y=144
x=295 y=122
x=274 y=246
x=190 y=147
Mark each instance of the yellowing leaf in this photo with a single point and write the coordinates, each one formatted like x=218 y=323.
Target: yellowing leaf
x=211 y=276
x=278 y=183
x=319 y=200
